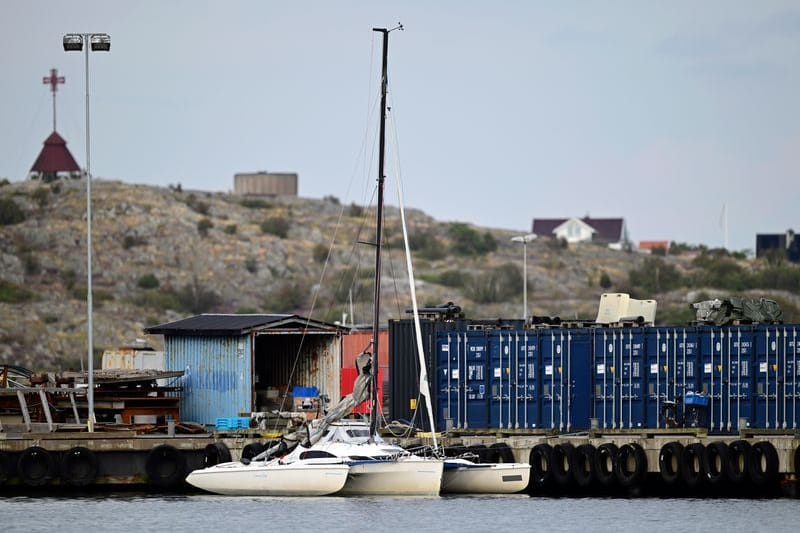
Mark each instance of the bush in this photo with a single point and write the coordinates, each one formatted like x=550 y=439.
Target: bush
x=453 y=278
x=655 y=276
x=498 y=285
x=203 y=225
x=251 y=265
x=13 y=293
x=320 y=253
x=467 y=241
x=68 y=278
x=277 y=226
x=255 y=203
x=605 y=281
x=331 y=199
x=286 y=297
x=10 y=212
x=356 y=210
x=148 y=281
x=427 y=245
x=196 y=205
x=41 y=196
x=230 y=229
x=129 y=241
x=196 y=299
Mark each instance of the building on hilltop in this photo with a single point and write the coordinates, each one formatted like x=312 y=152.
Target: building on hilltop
x=265 y=183
x=611 y=231
x=784 y=244
x=54 y=161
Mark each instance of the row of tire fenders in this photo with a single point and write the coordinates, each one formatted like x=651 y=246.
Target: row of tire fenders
x=78 y=467
x=693 y=466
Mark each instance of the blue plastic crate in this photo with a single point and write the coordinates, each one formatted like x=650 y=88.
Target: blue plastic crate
x=693 y=398
x=232 y=422
x=305 y=392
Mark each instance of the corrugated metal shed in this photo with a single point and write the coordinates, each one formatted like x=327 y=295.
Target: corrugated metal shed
x=230 y=361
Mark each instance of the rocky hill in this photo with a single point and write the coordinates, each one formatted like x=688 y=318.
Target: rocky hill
x=161 y=254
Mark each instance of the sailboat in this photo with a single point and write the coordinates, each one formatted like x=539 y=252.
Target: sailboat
x=332 y=455
x=378 y=467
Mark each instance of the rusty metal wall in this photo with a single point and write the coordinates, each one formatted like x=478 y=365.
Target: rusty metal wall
x=217 y=380
x=318 y=359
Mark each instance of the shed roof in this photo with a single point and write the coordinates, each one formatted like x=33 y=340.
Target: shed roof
x=219 y=324
x=55 y=156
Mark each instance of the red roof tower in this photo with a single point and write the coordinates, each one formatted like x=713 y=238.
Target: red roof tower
x=55 y=158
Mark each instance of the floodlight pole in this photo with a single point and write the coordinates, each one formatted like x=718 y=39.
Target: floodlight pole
x=524 y=239
x=86 y=43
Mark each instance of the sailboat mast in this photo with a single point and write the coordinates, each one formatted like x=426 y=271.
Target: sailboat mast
x=373 y=425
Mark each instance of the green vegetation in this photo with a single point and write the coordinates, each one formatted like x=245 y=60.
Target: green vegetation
x=203 y=225
x=230 y=229
x=320 y=253
x=129 y=241
x=251 y=265
x=468 y=242
x=605 y=281
x=10 y=212
x=148 y=281
x=453 y=278
x=255 y=203
x=14 y=294
x=41 y=196
x=191 y=298
x=331 y=199
x=500 y=284
x=426 y=246
x=286 y=297
x=356 y=210
x=277 y=226
x=198 y=206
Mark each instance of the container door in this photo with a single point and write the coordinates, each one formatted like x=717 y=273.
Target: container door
x=502 y=356
x=632 y=378
x=766 y=377
x=712 y=370
x=553 y=364
x=579 y=379
x=524 y=389
x=738 y=403
x=448 y=373
x=475 y=396
x=661 y=409
x=604 y=367
x=528 y=376
x=791 y=377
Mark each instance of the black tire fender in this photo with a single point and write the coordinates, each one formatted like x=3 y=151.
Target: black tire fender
x=5 y=467
x=79 y=467
x=504 y=452
x=738 y=463
x=605 y=460
x=216 y=453
x=669 y=462
x=165 y=466
x=715 y=462
x=631 y=465
x=582 y=465
x=561 y=460
x=763 y=467
x=36 y=466
x=692 y=470
x=541 y=466
x=251 y=450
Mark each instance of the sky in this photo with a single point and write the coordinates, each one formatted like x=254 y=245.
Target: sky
x=660 y=112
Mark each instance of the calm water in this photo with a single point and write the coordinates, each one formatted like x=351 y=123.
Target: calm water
x=217 y=514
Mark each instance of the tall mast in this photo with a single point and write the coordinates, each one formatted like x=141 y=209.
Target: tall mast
x=373 y=425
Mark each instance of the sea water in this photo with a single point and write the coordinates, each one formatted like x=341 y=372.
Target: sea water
x=223 y=514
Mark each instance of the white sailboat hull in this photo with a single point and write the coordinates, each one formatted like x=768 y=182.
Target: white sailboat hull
x=462 y=476
x=409 y=476
x=271 y=479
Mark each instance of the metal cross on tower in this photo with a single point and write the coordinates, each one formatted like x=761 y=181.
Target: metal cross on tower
x=53 y=80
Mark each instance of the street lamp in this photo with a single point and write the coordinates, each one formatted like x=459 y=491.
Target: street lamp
x=524 y=239
x=98 y=42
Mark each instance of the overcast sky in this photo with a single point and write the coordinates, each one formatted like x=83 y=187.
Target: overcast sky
x=658 y=112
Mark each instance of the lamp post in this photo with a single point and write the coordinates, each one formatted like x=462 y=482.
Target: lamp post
x=98 y=42
x=524 y=239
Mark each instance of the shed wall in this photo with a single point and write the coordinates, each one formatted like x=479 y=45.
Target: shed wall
x=217 y=380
